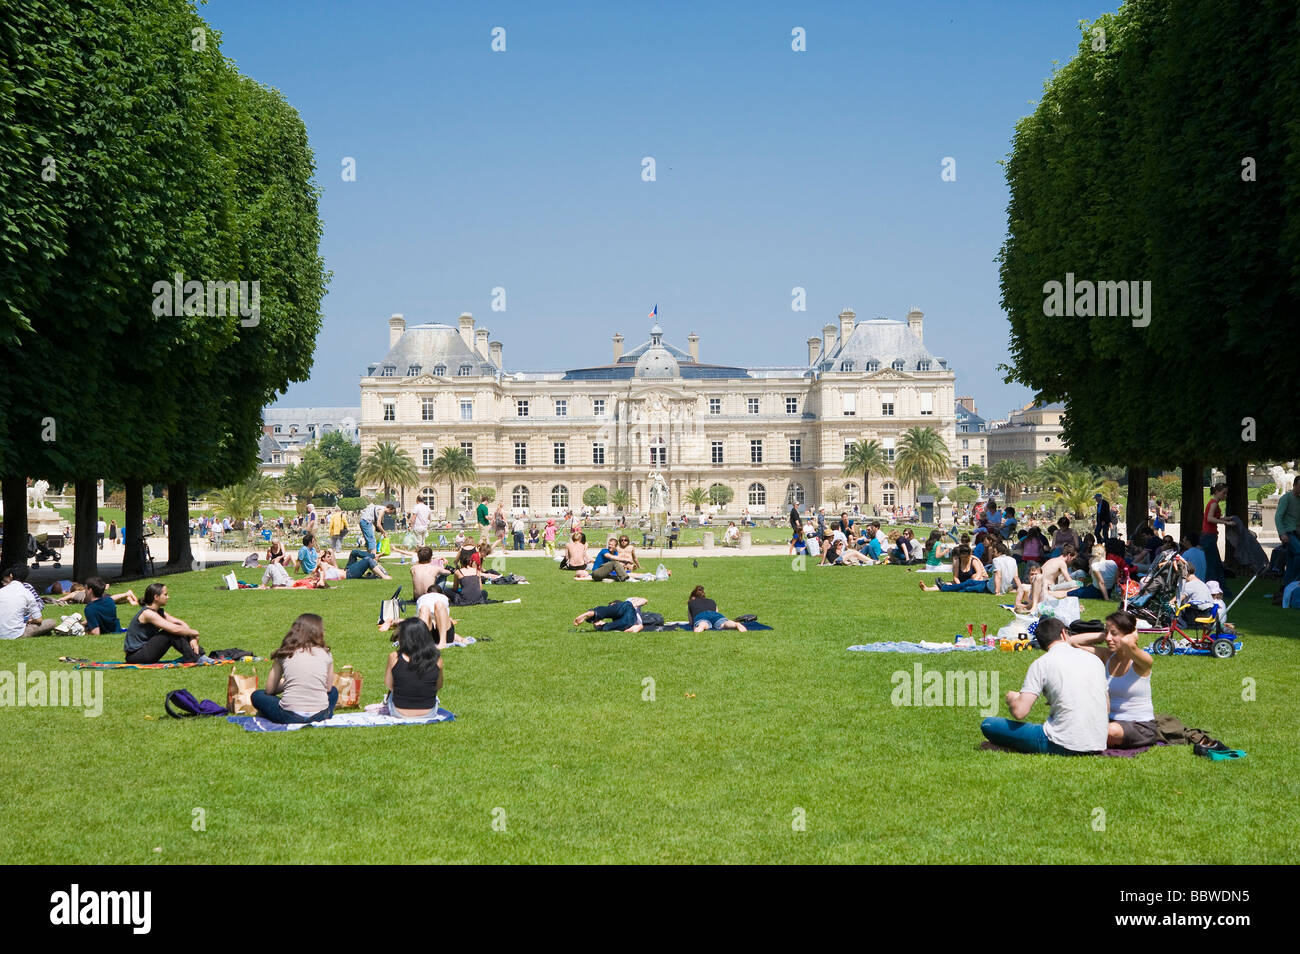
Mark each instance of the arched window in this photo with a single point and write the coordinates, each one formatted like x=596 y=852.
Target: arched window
x=519 y=497
x=757 y=495
x=559 y=496
x=873 y=366
x=888 y=494
x=923 y=365
x=794 y=494
x=851 y=493
x=428 y=497
x=897 y=365
x=440 y=370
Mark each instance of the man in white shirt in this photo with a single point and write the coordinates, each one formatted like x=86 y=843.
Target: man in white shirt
x=1073 y=681
x=420 y=517
x=101 y=528
x=1005 y=575
x=20 y=607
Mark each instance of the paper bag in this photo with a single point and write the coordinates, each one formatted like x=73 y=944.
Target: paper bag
x=230 y=581
x=348 y=682
x=239 y=693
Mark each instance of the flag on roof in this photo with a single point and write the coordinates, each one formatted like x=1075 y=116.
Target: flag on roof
x=654 y=312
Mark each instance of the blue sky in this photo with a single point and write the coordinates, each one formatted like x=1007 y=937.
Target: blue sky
x=774 y=169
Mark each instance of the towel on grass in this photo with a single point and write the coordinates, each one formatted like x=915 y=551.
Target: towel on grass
x=988 y=746
x=902 y=646
x=344 y=720
x=111 y=664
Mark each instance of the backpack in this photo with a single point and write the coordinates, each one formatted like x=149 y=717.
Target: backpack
x=235 y=654
x=186 y=706
x=652 y=619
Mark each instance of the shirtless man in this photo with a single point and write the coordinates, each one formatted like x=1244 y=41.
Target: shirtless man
x=424 y=573
x=1055 y=573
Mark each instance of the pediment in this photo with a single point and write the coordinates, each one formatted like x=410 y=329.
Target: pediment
x=888 y=374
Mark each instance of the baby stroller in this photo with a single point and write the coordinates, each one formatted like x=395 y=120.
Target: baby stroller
x=1157 y=595
x=1157 y=602
x=41 y=547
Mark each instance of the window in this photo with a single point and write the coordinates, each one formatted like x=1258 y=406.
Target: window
x=390 y=411
x=277 y=428
x=792 y=405
x=898 y=364
x=888 y=443
x=757 y=495
x=468 y=448
x=561 y=408
x=598 y=453
x=848 y=449
x=886 y=404
x=846 y=365
x=426 y=409
x=851 y=493
x=887 y=494
x=795 y=494
x=715 y=405
x=428 y=455
x=796 y=450
x=756 y=452
x=412 y=370
x=559 y=496
x=850 y=404
x=965 y=460
x=521 y=454
x=440 y=370
x=519 y=497
x=521 y=409
x=658 y=453
x=466 y=409
x=598 y=407
x=716 y=447
x=965 y=443
x=751 y=405
x=559 y=453
x=927 y=402
x=923 y=365
x=428 y=497
x=465 y=370
x=873 y=366
x=388 y=371
x=277 y=458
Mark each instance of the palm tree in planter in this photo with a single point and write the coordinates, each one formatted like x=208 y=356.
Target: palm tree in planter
x=698 y=496
x=1009 y=475
x=1076 y=490
x=866 y=458
x=451 y=465
x=922 y=457
x=305 y=481
x=240 y=501
x=388 y=466
x=620 y=499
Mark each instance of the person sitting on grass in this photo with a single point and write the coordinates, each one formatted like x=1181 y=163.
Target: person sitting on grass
x=1128 y=680
x=1103 y=572
x=363 y=562
x=21 y=606
x=968 y=573
x=468 y=585
x=307 y=555
x=619 y=616
x=1064 y=536
x=703 y=614
x=732 y=537
x=609 y=564
x=101 y=611
x=1074 y=684
x=798 y=544
x=300 y=687
x=152 y=632
x=933 y=558
x=1025 y=591
x=276 y=553
x=625 y=549
x=414 y=673
x=575 y=552
x=1005 y=574
x=1054 y=576
x=841 y=554
x=434 y=608
x=424 y=572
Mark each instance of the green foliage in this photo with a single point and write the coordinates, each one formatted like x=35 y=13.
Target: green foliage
x=481 y=493
x=156 y=507
x=620 y=498
x=595 y=496
x=1167 y=488
x=352 y=504
x=453 y=465
x=239 y=501
x=965 y=495
x=974 y=475
x=338 y=457
x=1009 y=475
x=1264 y=490
x=306 y=480
x=720 y=495
x=389 y=467
x=1076 y=491
x=866 y=457
x=697 y=496
x=921 y=456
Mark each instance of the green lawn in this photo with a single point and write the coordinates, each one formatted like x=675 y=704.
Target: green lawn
x=553 y=738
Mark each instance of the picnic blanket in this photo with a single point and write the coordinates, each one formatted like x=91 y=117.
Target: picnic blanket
x=345 y=720
x=902 y=646
x=111 y=664
x=674 y=627
x=988 y=746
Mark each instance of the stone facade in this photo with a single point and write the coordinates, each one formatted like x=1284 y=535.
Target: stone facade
x=1030 y=435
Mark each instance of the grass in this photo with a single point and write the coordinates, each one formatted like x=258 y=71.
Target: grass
x=554 y=738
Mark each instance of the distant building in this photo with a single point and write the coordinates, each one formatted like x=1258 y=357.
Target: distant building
x=972 y=436
x=288 y=431
x=1030 y=435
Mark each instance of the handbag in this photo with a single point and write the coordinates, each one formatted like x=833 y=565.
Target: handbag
x=348 y=682
x=239 y=693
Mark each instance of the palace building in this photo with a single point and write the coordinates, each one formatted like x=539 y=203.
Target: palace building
x=774 y=435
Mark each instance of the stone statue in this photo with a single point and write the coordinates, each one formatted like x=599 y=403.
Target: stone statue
x=36 y=495
x=1282 y=480
x=658 y=494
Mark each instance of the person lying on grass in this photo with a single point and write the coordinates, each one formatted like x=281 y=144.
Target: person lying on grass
x=1128 y=681
x=362 y=562
x=414 y=673
x=300 y=687
x=703 y=614
x=841 y=554
x=969 y=575
x=1074 y=684
x=328 y=568
x=152 y=632
x=619 y=616
x=101 y=611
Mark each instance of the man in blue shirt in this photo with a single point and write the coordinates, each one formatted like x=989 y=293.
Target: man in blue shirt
x=101 y=609
x=307 y=556
x=1193 y=553
x=608 y=563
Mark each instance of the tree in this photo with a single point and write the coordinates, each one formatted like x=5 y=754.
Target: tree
x=866 y=457
x=240 y=501
x=339 y=458
x=720 y=495
x=305 y=481
x=975 y=475
x=1075 y=492
x=965 y=495
x=595 y=496
x=835 y=496
x=697 y=496
x=1264 y=491
x=483 y=493
x=1009 y=475
x=922 y=456
x=1168 y=489
x=451 y=465
x=388 y=466
x=620 y=498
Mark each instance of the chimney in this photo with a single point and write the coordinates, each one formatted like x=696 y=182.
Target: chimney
x=396 y=328
x=467 y=329
x=847 y=317
x=481 y=336
x=693 y=343
x=618 y=347
x=814 y=350
x=914 y=321
x=968 y=403
x=495 y=350
x=828 y=339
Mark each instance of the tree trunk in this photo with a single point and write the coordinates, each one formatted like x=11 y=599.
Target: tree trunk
x=85 y=547
x=1238 y=504
x=1190 y=511
x=15 y=498
x=134 y=523
x=178 y=526
x=1136 y=509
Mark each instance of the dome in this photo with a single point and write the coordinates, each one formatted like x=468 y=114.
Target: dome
x=657 y=362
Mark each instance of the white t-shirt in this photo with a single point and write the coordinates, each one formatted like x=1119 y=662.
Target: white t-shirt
x=17 y=606
x=430 y=602
x=1010 y=574
x=1073 y=682
x=276 y=575
x=101 y=527
x=420 y=515
x=1109 y=571
x=1195 y=591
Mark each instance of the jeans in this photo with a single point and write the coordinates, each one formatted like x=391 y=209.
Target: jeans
x=1213 y=564
x=1292 y=558
x=1088 y=592
x=269 y=707
x=1021 y=736
x=970 y=586
x=368 y=534
x=519 y=539
x=620 y=615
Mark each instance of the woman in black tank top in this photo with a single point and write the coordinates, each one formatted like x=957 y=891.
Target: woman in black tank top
x=414 y=673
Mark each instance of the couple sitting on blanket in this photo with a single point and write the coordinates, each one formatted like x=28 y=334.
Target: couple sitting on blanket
x=1098 y=696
